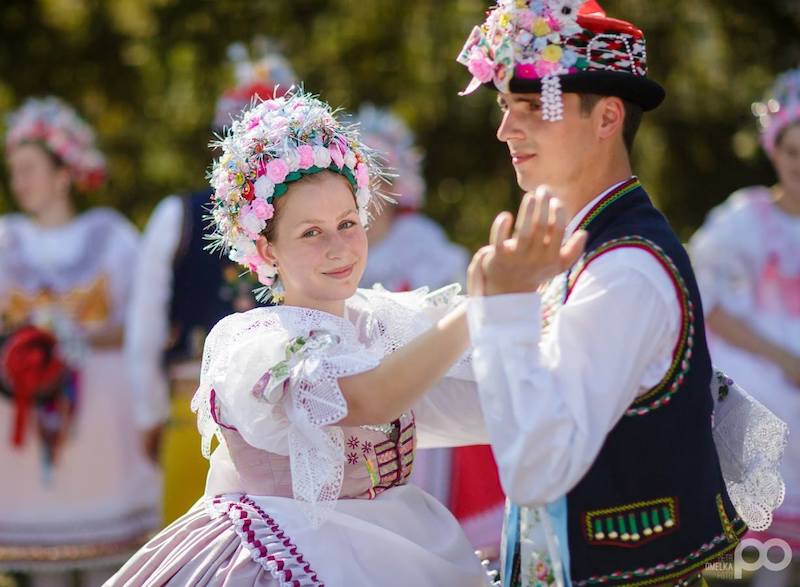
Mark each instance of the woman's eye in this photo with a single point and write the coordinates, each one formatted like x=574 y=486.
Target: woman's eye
x=347 y=224
x=535 y=106
x=310 y=233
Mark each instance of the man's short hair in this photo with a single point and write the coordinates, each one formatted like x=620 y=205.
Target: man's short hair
x=631 y=122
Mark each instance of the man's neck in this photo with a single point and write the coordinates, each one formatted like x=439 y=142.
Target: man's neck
x=588 y=186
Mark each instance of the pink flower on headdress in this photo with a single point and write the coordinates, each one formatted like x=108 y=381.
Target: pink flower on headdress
x=480 y=67
x=336 y=155
x=277 y=171
x=525 y=19
x=362 y=175
x=545 y=68
x=306 y=153
x=250 y=222
x=261 y=209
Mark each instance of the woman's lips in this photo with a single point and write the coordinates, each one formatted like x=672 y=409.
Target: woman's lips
x=341 y=273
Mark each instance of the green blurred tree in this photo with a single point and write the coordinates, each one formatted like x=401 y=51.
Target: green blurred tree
x=146 y=73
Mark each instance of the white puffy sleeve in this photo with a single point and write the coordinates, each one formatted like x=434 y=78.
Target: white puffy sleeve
x=723 y=253
x=449 y=414
x=147 y=325
x=120 y=259
x=274 y=379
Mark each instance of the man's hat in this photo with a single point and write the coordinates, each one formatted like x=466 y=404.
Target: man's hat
x=554 y=46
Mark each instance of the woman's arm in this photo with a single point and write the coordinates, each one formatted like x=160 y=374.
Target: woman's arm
x=739 y=334
x=384 y=393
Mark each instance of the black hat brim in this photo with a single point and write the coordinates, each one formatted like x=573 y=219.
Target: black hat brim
x=637 y=89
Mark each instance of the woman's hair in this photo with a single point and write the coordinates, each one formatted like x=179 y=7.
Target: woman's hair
x=269 y=231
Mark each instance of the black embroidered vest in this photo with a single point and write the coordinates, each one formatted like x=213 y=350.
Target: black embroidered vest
x=653 y=507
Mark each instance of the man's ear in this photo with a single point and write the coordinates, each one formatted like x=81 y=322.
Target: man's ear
x=266 y=250
x=610 y=114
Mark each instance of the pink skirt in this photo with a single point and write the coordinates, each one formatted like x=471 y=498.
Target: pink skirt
x=404 y=537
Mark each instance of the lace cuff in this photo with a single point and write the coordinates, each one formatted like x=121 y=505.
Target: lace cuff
x=750 y=441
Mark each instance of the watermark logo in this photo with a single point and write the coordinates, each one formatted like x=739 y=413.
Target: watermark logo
x=751 y=555
x=762 y=560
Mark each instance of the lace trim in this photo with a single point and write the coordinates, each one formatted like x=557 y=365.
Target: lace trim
x=750 y=441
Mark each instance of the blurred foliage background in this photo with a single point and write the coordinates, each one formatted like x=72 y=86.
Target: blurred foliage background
x=146 y=74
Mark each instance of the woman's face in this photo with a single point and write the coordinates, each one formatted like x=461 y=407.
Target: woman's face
x=35 y=178
x=786 y=160
x=319 y=245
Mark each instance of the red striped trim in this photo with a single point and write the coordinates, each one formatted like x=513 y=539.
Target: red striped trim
x=213 y=401
x=275 y=551
x=682 y=350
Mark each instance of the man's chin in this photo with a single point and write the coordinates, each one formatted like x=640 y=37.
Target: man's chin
x=528 y=181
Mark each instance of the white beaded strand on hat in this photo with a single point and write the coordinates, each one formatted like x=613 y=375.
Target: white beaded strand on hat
x=552 y=102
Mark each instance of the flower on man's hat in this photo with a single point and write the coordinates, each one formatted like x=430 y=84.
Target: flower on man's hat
x=535 y=45
x=565 y=13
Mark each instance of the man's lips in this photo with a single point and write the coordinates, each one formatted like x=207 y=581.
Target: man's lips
x=519 y=158
x=341 y=272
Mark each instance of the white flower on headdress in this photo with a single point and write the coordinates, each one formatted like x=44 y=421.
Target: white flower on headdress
x=292 y=159
x=350 y=160
x=322 y=157
x=565 y=12
x=264 y=187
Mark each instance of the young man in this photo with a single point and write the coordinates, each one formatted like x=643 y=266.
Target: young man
x=595 y=390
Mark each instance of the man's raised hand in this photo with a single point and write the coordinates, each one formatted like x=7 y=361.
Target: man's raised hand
x=530 y=256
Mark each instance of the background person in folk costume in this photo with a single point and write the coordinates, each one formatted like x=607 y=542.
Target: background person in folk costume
x=407 y=251
x=584 y=384
x=747 y=256
x=180 y=292
x=79 y=493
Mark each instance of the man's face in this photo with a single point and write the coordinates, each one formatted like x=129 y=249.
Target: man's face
x=545 y=152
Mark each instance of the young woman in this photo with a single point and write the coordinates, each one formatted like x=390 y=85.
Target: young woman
x=79 y=494
x=747 y=257
x=311 y=397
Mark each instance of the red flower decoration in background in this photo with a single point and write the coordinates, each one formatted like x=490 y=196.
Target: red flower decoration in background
x=30 y=363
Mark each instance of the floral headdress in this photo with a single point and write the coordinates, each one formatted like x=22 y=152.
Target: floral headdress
x=389 y=135
x=54 y=124
x=267 y=76
x=781 y=108
x=275 y=143
x=550 y=46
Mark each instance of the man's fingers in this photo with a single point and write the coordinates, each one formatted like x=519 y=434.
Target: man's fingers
x=501 y=229
x=573 y=249
x=525 y=217
x=475 y=277
x=556 y=225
